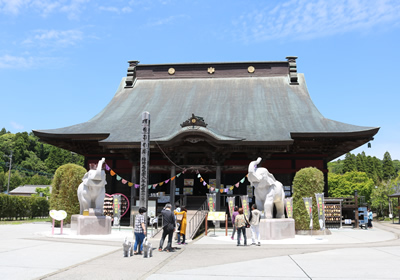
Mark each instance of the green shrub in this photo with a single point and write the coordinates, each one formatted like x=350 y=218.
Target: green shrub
x=19 y=207
x=306 y=183
x=64 y=192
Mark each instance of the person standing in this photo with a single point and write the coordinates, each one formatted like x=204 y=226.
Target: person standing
x=139 y=231
x=255 y=225
x=240 y=224
x=370 y=217
x=182 y=226
x=178 y=223
x=168 y=227
x=234 y=214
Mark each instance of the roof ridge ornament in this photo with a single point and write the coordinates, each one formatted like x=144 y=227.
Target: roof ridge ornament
x=194 y=121
x=131 y=75
x=292 y=70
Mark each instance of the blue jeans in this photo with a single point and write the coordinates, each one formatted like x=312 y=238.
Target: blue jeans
x=239 y=231
x=139 y=237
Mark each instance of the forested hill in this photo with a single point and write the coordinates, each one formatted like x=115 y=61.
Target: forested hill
x=33 y=162
x=376 y=169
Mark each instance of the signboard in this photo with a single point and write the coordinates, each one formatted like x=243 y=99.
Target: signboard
x=308 y=205
x=231 y=204
x=245 y=205
x=188 y=191
x=289 y=207
x=211 y=198
x=216 y=216
x=117 y=209
x=188 y=182
x=321 y=209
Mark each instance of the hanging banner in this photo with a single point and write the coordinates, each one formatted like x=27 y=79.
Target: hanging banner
x=245 y=205
x=308 y=204
x=289 y=207
x=117 y=209
x=231 y=204
x=211 y=197
x=321 y=209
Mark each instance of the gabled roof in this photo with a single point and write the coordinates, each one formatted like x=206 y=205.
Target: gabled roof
x=270 y=105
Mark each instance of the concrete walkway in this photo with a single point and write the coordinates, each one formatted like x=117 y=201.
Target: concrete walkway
x=30 y=251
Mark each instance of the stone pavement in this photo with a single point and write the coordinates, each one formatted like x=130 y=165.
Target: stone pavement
x=29 y=251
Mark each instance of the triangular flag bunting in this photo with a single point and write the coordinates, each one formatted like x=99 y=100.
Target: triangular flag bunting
x=204 y=183
x=208 y=186
x=241 y=181
x=137 y=186
x=198 y=175
x=231 y=188
x=177 y=175
x=107 y=167
x=237 y=185
x=201 y=180
x=173 y=178
x=166 y=181
x=162 y=183
x=112 y=172
x=119 y=178
x=130 y=184
x=155 y=185
x=124 y=181
x=149 y=186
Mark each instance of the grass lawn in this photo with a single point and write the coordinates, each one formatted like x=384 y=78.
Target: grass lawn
x=25 y=221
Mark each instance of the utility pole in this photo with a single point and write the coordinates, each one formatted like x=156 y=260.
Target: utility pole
x=9 y=174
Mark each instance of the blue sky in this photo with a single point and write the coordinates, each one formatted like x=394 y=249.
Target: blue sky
x=61 y=61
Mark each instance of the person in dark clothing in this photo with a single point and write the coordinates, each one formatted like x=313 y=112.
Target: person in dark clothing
x=168 y=227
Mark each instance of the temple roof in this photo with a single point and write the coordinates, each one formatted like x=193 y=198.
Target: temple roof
x=269 y=105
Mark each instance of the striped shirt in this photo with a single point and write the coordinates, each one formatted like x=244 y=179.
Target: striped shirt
x=138 y=223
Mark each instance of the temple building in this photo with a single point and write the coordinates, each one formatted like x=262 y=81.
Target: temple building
x=208 y=121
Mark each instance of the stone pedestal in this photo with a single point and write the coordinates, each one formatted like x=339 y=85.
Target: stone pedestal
x=96 y=225
x=275 y=229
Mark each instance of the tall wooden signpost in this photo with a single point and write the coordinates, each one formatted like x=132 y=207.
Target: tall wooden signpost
x=144 y=162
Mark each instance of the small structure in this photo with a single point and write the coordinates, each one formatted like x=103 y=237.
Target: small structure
x=398 y=199
x=27 y=190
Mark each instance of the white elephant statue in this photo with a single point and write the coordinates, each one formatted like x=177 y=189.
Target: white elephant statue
x=91 y=191
x=268 y=191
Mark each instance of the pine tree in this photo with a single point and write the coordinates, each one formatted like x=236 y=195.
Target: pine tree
x=387 y=167
x=349 y=163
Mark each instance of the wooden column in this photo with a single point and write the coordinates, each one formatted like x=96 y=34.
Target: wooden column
x=218 y=196
x=172 y=188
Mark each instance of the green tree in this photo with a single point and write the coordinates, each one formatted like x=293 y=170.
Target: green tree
x=306 y=183
x=349 y=163
x=345 y=185
x=360 y=162
x=39 y=180
x=387 y=167
x=64 y=189
x=336 y=167
x=45 y=191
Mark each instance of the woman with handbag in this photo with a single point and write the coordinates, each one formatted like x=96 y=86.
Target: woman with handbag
x=241 y=223
x=183 y=225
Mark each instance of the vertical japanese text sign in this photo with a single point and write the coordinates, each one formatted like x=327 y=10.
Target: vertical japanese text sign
x=245 y=205
x=321 y=209
x=116 y=209
x=231 y=204
x=308 y=204
x=211 y=201
x=289 y=207
x=144 y=161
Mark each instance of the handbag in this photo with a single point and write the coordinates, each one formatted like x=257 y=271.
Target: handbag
x=246 y=222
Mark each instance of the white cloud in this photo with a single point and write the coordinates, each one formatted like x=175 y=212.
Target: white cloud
x=27 y=62
x=16 y=125
x=72 y=8
x=116 y=10
x=303 y=19
x=54 y=38
x=165 y=21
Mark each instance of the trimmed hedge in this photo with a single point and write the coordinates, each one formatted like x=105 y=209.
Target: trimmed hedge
x=306 y=183
x=64 y=192
x=20 y=207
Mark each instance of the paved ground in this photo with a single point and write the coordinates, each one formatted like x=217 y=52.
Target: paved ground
x=29 y=251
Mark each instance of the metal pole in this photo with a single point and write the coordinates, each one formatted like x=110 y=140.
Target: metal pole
x=144 y=163
x=9 y=174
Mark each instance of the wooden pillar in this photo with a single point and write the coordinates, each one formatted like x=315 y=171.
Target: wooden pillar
x=356 y=210
x=218 y=196
x=172 y=187
x=133 y=193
